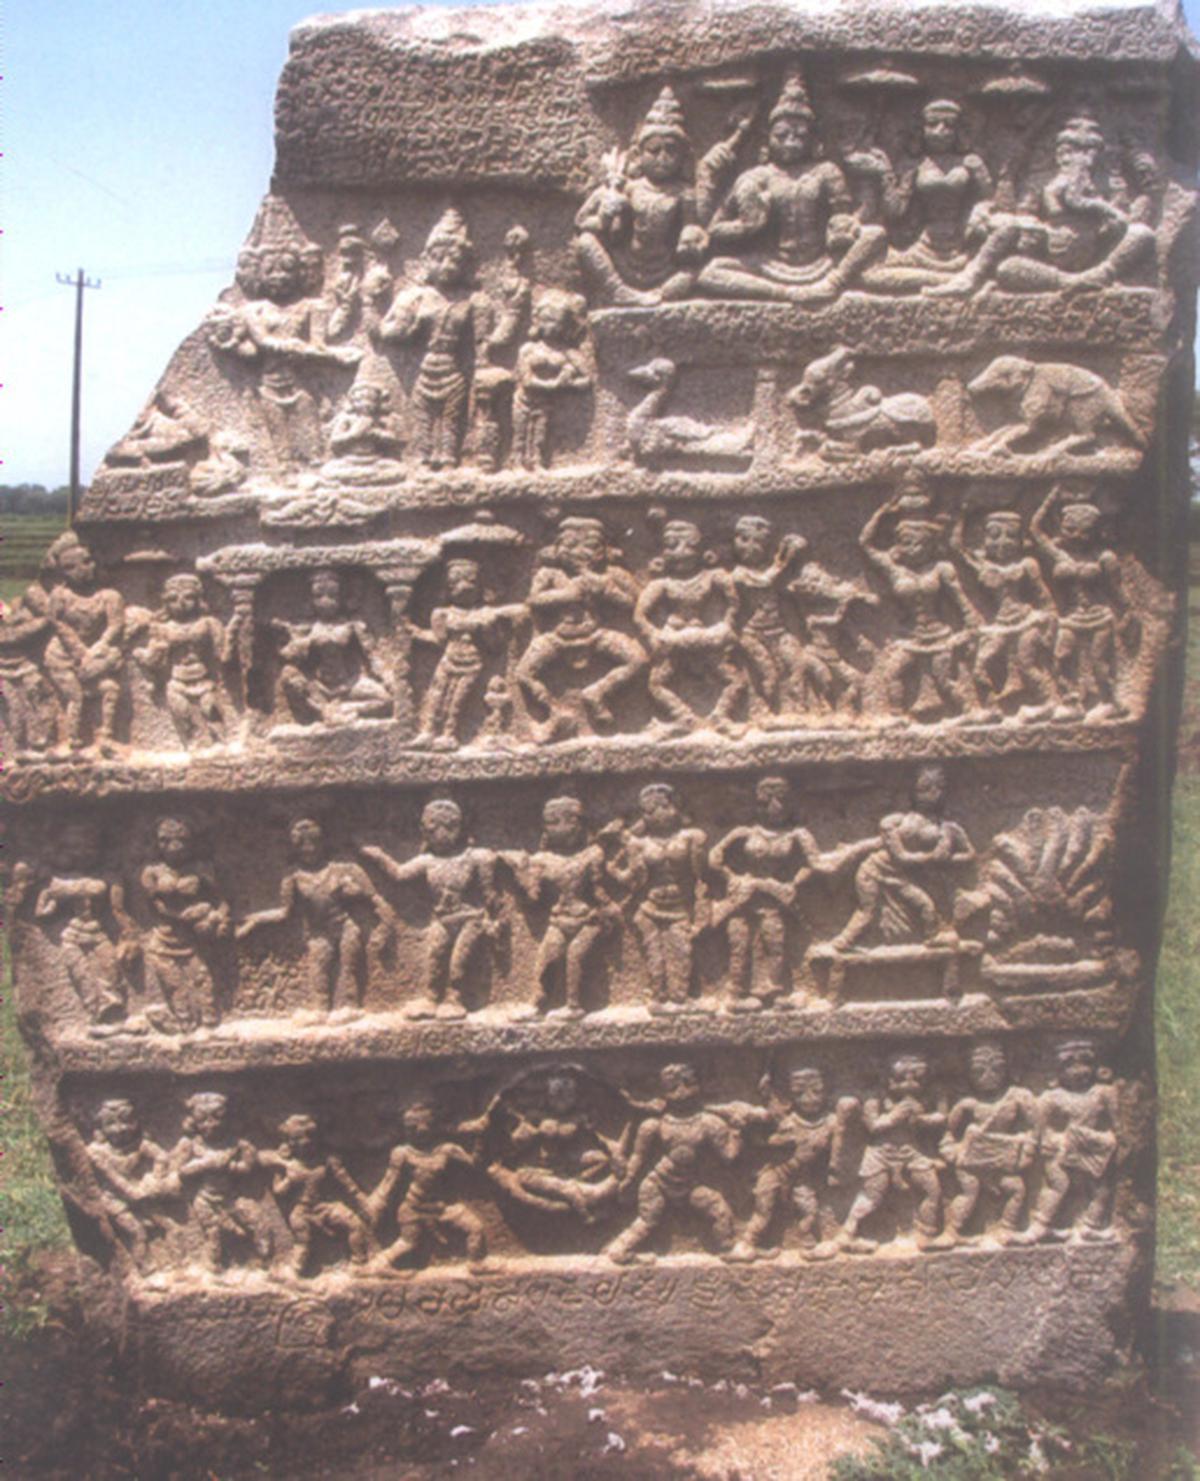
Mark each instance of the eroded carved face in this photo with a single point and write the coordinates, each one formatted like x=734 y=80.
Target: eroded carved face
x=174 y=840
x=441 y=827
x=752 y=541
x=446 y=261
x=916 y=543
x=1002 y=540
x=660 y=809
x=562 y=1092
x=117 y=1123
x=679 y=1082
x=325 y=594
x=929 y=789
x=790 y=141
x=681 y=547
x=562 y=823
x=1080 y=525
x=661 y=157
x=1076 y=1066
x=772 y=796
x=307 y=840
x=207 y=1114
x=419 y=1123
x=299 y=1133
x=77 y=567
x=280 y=274
x=908 y=1077
x=940 y=129
x=988 y=1070
x=183 y=597
x=463 y=583
x=581 y=549
x=807 y=1090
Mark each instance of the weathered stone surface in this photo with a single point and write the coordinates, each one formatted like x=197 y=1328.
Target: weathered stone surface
x=590 y=784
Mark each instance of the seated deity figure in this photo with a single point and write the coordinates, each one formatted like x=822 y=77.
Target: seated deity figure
x=317 y=1193
x=580 y=591
x=1072 y=237
x=990 y=1143
x=330 y=669
x=364 y=440
x=663 y=862
x=1014 y=658
x=461 y=878
x=83 y=657
x=1094 y=614
x=1077 y=1122
x=98 y=935
x=464 y=626
x=686 y=616
x=163 y=433
x=924 y=671
x=640 y=234
x=932 y=197
x=188 y=649
x=672 y=1155
x=439 y=314
x=568 y=867
x=787 y=224
x=902 y=1135
x=564 y=1162
x=326 y=895
x=134 y=1176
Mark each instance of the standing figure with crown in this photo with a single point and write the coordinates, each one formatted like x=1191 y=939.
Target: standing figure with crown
x=440 y=311
x=640 y=235
x=790 y=219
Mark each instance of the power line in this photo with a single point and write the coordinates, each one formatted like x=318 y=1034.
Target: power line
x=79 y=282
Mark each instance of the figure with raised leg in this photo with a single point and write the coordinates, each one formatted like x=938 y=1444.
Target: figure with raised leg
x=134 y=1176
x=213 y=1167
x=187 y=648
x=330 y=673
x=319 y=1195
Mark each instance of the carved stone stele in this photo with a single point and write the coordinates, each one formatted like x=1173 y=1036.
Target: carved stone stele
x=588 y=785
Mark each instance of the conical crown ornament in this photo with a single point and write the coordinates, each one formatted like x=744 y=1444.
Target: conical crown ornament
x=793 y=99
x=450 y=227
x=665 y=117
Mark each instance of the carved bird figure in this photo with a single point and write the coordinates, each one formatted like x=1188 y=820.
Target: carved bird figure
x=654 y=437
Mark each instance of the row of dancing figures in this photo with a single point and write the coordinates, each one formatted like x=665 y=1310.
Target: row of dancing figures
x=1046 y=637
x=1001 y=1162
x=800 y=227
x=656 y=870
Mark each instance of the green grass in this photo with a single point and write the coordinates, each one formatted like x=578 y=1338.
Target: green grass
x=23 y=541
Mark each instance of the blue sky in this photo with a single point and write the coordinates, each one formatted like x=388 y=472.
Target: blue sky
x=137 y=142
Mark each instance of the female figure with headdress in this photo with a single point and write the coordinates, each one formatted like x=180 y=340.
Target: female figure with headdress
x=640 y=234
x=440 y=312
x=931 y=649
x=789 y=219
x=934 y=195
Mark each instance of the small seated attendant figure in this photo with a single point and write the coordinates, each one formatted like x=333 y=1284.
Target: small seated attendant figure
x=789 y=219
x=641 y=233
x=365 y=443
x=330 y=673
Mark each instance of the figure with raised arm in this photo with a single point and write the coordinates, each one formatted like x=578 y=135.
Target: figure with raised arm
x=662 y=863
x=924 y=672
x=686 y=615
x=640 y=234
x=1093 y=609
x=317 y=1193
x=133 y=1173
x=424 y=1163
x=213 y=1168
x=461 y=878
x=1014 y=655
x=771 y=652
x=786 y=232
x=326 y=896
x=667 y=1164
x=580 y=591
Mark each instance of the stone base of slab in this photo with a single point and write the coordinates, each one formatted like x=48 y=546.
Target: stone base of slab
x=889 y=1323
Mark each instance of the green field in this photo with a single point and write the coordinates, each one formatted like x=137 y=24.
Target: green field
x=23 y=541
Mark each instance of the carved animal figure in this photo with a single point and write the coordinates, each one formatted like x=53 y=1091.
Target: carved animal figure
x=856 y=422
x=655 y=438
x=1052 y=408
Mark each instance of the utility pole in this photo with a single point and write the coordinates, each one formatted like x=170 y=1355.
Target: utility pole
x=79 y=283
